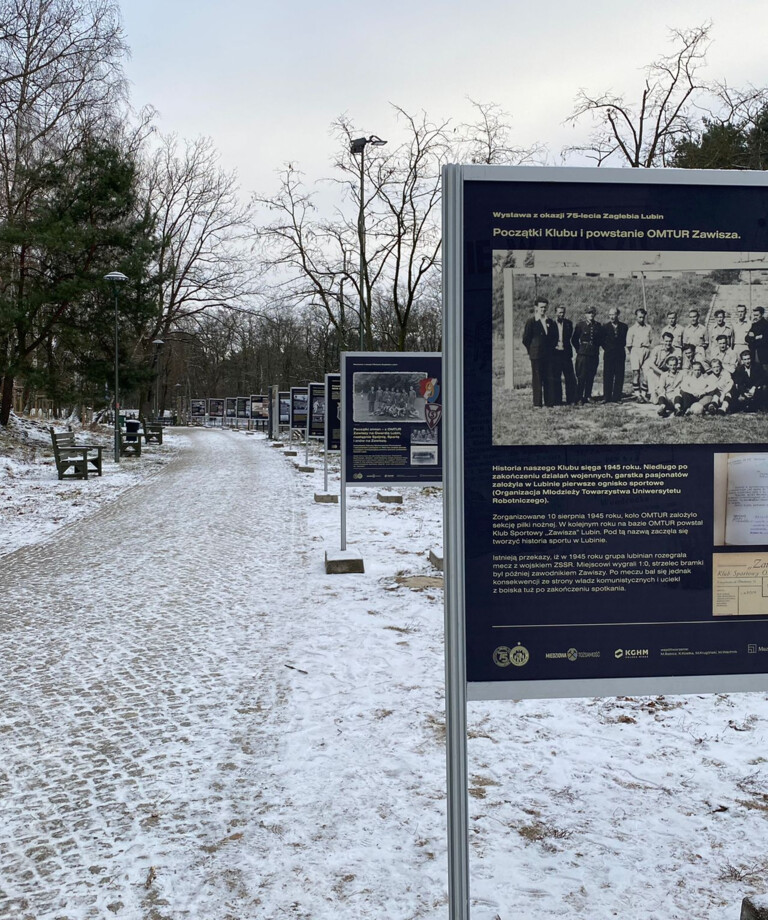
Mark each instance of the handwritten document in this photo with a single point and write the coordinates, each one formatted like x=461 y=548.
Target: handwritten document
x=740 y=584
x=741 y=498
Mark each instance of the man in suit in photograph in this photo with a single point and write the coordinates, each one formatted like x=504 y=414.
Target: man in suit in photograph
x=614 y=342
x=538 y=337
x=587 y=337
x=750 y=385
x=562 y=360
x=757 y=337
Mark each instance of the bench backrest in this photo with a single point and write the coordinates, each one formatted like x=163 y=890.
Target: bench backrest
x=63 y=438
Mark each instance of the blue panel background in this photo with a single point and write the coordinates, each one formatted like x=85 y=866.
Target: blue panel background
x=705 y=207
x=383 y=362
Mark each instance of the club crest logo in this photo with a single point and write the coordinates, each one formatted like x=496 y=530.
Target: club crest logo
x=429 y=388
x=433 y=414
x=519 y=656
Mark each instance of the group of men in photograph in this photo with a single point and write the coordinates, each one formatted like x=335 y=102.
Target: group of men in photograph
x=395 y=402
x=689 y=370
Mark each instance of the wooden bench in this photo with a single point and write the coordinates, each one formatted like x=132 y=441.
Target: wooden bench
x=152 y=432
x=130 y=441
x=73 y=461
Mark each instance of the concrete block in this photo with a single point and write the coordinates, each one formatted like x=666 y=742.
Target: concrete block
x=305 y=469
x=436 y=558
x=344 y=562
x=754 y=908
x=278 y=444
x=420 y=582
x=290 y=453
x=390 y=498
x=326 y=498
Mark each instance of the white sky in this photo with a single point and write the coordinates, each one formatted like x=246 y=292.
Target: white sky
x=265 y=80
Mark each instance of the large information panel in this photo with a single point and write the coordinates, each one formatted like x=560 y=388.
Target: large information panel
x=299 y=400
x=260 y=407
x=316 y=420
x=391 y=418
x=607 y=351
x=333 y=411
x=284 y=405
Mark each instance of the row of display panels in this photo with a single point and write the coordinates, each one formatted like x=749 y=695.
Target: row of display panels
x=293 y=408
x=385 y=407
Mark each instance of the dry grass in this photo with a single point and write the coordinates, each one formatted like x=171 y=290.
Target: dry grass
x=515 y=421
x=538 y=832
x=752 y=874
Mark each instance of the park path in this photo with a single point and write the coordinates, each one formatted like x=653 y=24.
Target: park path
x=141 y=691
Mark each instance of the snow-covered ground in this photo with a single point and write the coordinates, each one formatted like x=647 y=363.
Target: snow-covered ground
x=197 y=722
x=35 y=504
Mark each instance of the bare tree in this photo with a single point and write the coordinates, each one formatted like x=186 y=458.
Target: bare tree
x=305 y=256
x=376 y=279
x=644 y=133
x=60 y=75
x=488 y=139
x=402 y=202
x=204 y=231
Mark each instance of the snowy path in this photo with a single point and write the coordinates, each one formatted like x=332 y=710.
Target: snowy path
x=143 y=672
x=156 y=760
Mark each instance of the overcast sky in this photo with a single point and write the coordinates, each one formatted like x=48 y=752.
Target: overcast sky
x=265 y=80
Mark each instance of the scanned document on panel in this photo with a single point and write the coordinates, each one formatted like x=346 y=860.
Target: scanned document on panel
x=741 y=499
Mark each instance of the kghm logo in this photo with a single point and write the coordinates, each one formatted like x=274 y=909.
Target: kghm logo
x=517 y=656
x=631 y=653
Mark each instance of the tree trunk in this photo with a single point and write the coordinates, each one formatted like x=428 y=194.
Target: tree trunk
x=6 y=400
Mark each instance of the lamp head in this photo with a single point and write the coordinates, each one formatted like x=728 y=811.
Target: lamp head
x=359 y=144
x=116 y=277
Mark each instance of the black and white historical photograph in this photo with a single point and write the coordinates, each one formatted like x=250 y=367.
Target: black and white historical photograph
x=424 y=454
x=388 y=396
x=216 y=408
x=423 y=435
x=318 y=410
x=629 y=347
x=259 y=407
x=424 y=446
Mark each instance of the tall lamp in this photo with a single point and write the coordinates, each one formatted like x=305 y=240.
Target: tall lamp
x=158 y=343
x=358 y=145
x=116 y=279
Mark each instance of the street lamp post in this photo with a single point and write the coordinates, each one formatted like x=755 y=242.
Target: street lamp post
x=116 y=278
x=358 y=145
x=158 y=343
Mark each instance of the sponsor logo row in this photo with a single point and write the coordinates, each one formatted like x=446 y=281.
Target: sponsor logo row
x=518 y=656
